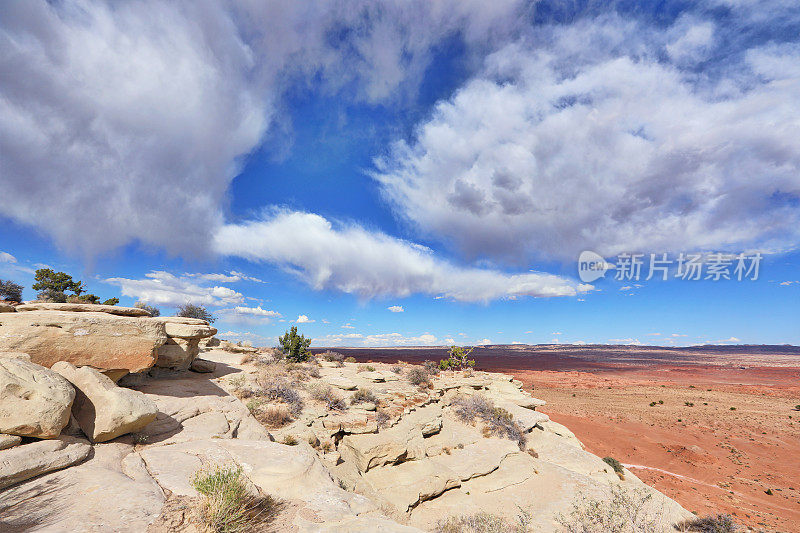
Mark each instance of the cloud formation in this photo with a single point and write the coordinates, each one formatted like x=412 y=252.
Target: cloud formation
x=163 y=288
x=602 y=135
x=372 y=264
x=124 y=122
x=396 y=308
x=377 y=339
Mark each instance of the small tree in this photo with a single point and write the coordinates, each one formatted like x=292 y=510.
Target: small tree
x=10 y=291
x=458 y=358
x=190 y=310
x=111 y=301
x=154 y=311
x=53 y=285
x=294 y=346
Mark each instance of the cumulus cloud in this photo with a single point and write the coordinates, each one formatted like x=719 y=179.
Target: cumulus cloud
x=378 y=339
x=371 y=264
x=247 y=315
x=163 y=288
x=303 y=319
x=587 y=138
x=396 y=308
x=6 y=257
x=628 y=341
x=124 y=122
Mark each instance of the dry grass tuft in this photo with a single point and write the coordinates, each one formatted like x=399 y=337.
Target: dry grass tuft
x=484 y=523
x=363 y=395
x=419 y=376
x=230 y=503
x=325 y=394
x=498 y=421
x=721 y=523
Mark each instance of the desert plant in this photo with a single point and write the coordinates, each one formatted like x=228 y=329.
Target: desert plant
x=53 y=286
x=721 y=523
x=458 y=358
x=419 y=376
x=484 y=522
x=382 y=418
x=293 y=345
x=154 y=311
x=279 y=389
x=363 y=396
x=10 y=291
x=397 y=369
x=350 y=359
x=334 y=357
x=111 y=301
x=325 y=394
x=498 y=421
x=230 y=504
x=616 y=466
x=190 y=310
x=444 y=364
x=625 y=511
x=431 y=367
x=290 y=440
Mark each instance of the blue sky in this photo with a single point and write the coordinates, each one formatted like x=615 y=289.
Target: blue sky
x=408 y=173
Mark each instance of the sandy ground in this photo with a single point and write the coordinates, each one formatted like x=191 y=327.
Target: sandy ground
x=725 y=434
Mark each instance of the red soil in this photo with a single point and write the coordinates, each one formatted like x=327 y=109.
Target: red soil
x=706 y=456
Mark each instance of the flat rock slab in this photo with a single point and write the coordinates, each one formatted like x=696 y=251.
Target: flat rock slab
x=406 y=485
x=186 y=328
x=341 y=382
x=83 y=308
x=100 y=340
x=24 y=462
x=9 y=441
x=110 y=491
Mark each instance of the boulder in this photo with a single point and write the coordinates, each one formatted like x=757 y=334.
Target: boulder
x=103 y=410
x=177 y=353
x=9 y=441
x=24 y=462
x=100 y=340
x=34 y=401
x=6 y=307
x=186 y=328
x=83 y=308
x=341 y=382
x=15 y=355
x=203 y=366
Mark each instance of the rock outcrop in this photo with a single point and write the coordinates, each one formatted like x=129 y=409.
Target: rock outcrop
x=183 y=345
x=24 y=462
x=9 y=441
x=83 y=308
x=34 y=401
x=101 y=340
x=103 y=410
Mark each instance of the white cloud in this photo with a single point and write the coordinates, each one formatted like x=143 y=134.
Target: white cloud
x=303 y=319
x=787 y=283
x=483 y=341
x=378 y=339
x=348 y=326
x=396 y=309
x=6 y=257
x=247 y=315
x=556 y=333
x=370 y=264
x=150 y=106
x=629 y=341
x=591 y=140
x=449 y=341
x=163 y=288
x=253 y=338
x=678 y=335
x=626 y=288
x=731 y=339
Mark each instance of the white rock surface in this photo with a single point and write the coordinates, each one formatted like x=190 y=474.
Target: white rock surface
x=24 y=462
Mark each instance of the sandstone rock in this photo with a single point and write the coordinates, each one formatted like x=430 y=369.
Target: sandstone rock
x=526 y=418
x=6 y=307
x=406 y=485
x=15 y=355
x=110 y=491
x=100 y=340
x=9 y=441
x=341 y=382
x=83 y=308
x=177 y=353
x=34 y=401
x=203 y=366
x=103 y=410
x=478 y=459
x=186 y=328
x=24 y=462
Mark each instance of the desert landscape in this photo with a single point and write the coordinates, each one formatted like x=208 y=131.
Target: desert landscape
x=725 y=438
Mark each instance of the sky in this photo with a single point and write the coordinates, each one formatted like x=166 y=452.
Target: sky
x=412 y=172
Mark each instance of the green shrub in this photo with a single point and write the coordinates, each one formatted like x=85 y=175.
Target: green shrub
x=111 y=301
x=444 y=364
x=190 y=310
x=294 y=346
x=616 y=465
x=154 y=311
x=458 y=358
x=349 y=359
x=229 y=503
x=10 y=291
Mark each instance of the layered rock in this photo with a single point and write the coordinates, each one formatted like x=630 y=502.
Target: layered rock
x=101 y=340
x=24 y=462
x=9 y=441
x=34 y=401
x=82 y=308
x=103 y=410
x=183 y=345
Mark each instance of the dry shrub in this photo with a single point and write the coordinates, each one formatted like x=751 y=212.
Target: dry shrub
x=382 y=418
x=721 y=523
x=326 y=395
x=397 y=369
x=625 y=511
x=432 y=367
x=498 y=421
x=484 y=523
x=230 y=503
x=365 y=368
x=276 y=388
x=419 y=376
x=333 y=357
x=290 y=440
x=350 y=359
x=363 y=395
x=276 y=415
